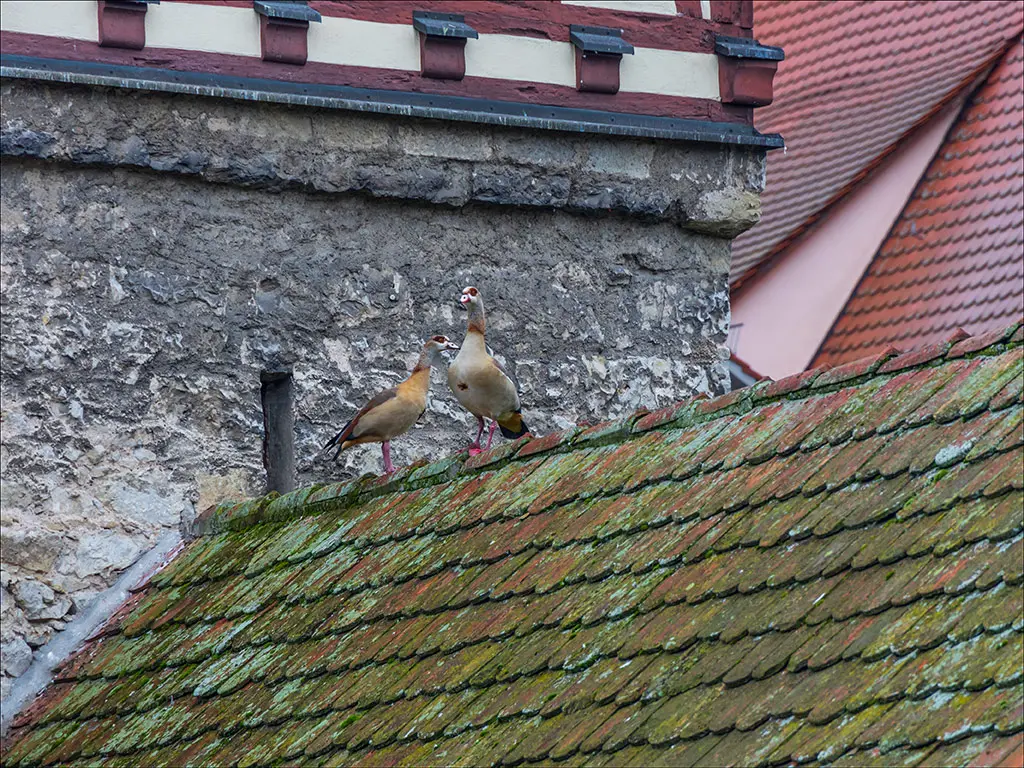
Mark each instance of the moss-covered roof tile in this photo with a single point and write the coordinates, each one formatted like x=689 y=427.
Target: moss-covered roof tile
x=827 y=568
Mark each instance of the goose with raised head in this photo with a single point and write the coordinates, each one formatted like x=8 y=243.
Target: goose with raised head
x=480 y=383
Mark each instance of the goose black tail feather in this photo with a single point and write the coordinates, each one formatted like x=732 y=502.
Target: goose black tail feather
x=513 y=426
x=338 y=440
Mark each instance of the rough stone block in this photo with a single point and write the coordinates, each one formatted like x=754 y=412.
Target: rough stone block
x=517 y=186
x=349 y=132
x=34 y=597
x=727 y=212
x=441 y=140
x=216 y=489
x=449 y=186
x=618 y=196
x=34 y=549
x=555 y=151
x=105 y=551
x=15 y=657
x=619 y=158
x=275 y=147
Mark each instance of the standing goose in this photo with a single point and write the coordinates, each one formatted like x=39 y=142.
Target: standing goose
x=392 y=412
x=479 y=382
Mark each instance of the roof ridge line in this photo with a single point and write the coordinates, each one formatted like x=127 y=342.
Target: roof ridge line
x=318 y=498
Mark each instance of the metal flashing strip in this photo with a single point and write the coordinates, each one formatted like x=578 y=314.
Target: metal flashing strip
x=599 y=39
x=742 y=48
x=443 y=25
x=405 y=103
x=296 y=11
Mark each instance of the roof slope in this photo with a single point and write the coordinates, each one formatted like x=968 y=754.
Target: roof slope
x=953 y=258
x=827 y=566
x=858 y=76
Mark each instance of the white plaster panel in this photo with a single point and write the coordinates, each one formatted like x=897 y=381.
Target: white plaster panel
x=207 y=28
x=670 y=73
x=510 y=57
x=360 y=43
x=59 y=18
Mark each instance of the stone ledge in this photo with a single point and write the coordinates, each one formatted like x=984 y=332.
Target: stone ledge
x=712 y=189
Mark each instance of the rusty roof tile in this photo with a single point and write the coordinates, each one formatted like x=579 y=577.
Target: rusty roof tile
x=855 y=368
x=977 y=751
x=977 y=343
x=917 y=357
x=548 y=442
x=658 y=418
x=1012 y=393
x=789 y=384
x=495 y=455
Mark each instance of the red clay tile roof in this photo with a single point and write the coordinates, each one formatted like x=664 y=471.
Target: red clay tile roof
x=827 y=567
x=858 y=76
x=955 y=257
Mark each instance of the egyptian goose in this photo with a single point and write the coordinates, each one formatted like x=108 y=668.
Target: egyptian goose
x=392 y=412
x=479 y=382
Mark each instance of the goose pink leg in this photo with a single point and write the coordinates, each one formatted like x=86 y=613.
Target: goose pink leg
x=389 y=468
x=490 y=434
x=474 y=447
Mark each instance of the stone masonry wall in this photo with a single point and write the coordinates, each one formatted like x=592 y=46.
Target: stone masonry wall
x=160 y=251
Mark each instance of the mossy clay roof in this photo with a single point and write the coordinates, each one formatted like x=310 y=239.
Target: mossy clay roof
x=826 y=568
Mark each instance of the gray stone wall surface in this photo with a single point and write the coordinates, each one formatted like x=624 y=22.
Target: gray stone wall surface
x=160 y=251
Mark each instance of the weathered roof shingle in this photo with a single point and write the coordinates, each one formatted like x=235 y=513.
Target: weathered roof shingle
x=823 y=568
